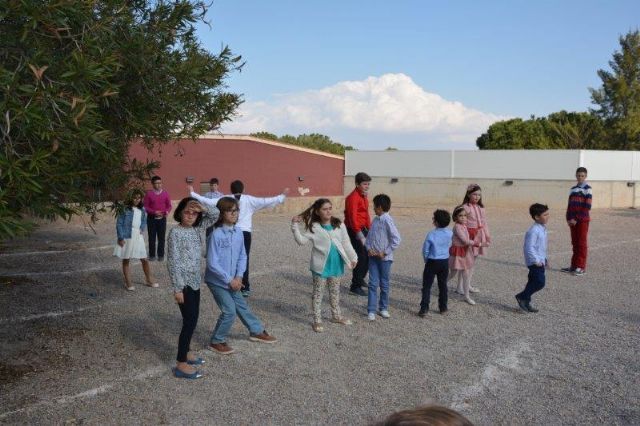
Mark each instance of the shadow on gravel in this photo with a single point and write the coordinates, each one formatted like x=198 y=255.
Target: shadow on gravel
x=630 y=212
x=144 y=333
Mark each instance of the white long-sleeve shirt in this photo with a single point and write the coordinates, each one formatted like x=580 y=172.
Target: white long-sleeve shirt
x=248 y=206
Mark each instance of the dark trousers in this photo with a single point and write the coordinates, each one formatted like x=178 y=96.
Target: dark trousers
x=535 y=283
x=189 y=310
x=156 y=229
x=247 y=247
x=579 y=233
x=435 y=268
x=361 y=269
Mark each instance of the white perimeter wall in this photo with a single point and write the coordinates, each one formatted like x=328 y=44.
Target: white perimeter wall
x=496 y=164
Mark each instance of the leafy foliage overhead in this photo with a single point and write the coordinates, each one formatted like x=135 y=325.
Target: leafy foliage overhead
x=614 y=124
x=80 y=81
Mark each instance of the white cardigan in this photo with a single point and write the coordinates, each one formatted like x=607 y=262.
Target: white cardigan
x=322 y=239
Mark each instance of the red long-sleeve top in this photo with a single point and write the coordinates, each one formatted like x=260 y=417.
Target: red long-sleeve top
x=356 y=211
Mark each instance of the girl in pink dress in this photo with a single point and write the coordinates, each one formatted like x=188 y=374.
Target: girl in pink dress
x=476 y=225
x=461 y=258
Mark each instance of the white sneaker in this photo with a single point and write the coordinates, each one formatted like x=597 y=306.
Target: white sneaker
x=385 y=314
x=371 y=316
x=469 y=300
x=473 y=289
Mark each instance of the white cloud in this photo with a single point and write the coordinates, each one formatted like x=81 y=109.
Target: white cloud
x=378 y=108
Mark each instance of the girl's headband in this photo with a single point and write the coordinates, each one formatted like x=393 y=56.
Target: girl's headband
x=473 y=187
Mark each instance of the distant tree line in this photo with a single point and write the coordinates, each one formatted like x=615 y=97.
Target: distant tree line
x=613 y=124
x=313 y=141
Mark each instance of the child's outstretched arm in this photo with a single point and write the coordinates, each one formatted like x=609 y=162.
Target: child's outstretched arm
x=203 y=200
x=258 y=203
x=300 y=238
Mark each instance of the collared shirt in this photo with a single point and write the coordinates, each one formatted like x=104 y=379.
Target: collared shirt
x=535 y=245
x=383 y=236
x=226 y=256
x=580 y=198
x=356 y=211
x=214 y=194
x=436 y=244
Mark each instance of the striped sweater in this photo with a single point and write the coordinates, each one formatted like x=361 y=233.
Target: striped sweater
x=579 y=203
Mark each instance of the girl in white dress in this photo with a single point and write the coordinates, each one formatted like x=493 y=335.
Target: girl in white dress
x=130 y=225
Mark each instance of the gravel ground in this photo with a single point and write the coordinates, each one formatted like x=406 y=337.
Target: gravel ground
x=78 y=349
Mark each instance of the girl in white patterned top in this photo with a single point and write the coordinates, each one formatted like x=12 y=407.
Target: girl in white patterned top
x=185 y=247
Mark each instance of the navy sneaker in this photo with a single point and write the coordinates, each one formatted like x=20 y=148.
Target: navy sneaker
x=523 y=304
x=567 y=270
x=358 y=291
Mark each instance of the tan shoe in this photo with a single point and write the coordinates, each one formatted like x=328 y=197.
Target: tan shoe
x=342 y=320
x=317 y=327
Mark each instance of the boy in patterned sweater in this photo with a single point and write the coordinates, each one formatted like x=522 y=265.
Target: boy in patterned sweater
x=578 y=219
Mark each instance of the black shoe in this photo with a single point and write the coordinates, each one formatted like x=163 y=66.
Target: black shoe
x=422 y=313
x=524 y=305
x=358 y=291
x=160 y=258
x=444 y=311
x=531 y=308
x=567 y=270
x=151 y=258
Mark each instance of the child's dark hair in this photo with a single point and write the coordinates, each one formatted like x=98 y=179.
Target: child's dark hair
x=456 y=212
x=470 y=190
x=310 y=215
x=442 y=218
x=225 y=204
x=383 y=201
x=237 y=187
x=581 y=170
x=362 y=177
x=537 y=209
x=214 y=181
x=428 y=415
x=188 y=202
x=155 y=178
x=131 y=195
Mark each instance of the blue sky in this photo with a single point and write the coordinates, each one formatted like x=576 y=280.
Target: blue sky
x=412 y=74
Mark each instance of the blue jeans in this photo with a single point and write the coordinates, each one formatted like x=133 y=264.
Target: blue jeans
x=379 y=271
x=232 y=303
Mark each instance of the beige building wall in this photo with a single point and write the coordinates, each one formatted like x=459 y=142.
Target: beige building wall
x=449 y=192
x=508 y=178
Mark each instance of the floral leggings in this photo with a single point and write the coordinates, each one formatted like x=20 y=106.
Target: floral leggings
x=319 y=284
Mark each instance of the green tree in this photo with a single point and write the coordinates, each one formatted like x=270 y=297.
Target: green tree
x=559 y=130
x=618 y=99
x=576 y=130
x=81 y=81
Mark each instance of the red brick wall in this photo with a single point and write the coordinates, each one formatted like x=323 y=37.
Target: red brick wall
x=263 y=168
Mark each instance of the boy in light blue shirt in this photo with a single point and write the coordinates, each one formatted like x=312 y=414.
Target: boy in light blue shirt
x=435 y=252
x=383 y=238
x=535 y=255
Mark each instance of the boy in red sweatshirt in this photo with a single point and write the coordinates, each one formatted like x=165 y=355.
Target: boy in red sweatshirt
x=358 y=222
